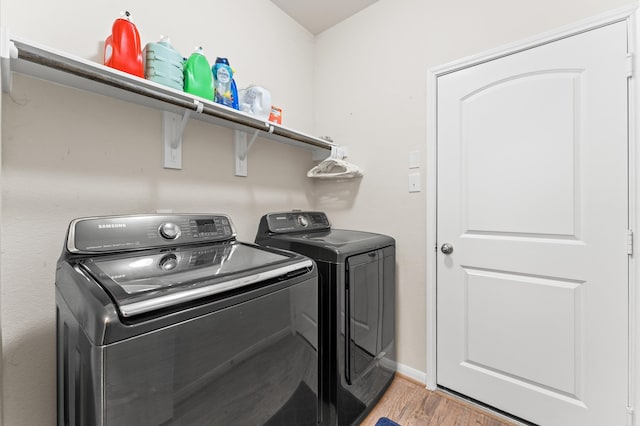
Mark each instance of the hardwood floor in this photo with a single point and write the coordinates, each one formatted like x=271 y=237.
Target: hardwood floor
x=410 y=404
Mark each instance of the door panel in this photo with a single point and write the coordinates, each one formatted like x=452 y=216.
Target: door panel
x=532 y=306
x=520 y=173
x=508 y=336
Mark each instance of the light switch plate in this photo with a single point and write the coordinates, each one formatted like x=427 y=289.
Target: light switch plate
x=414 y=159
x=414 y=182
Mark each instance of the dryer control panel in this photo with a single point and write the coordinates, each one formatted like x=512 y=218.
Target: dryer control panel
x=280 y=223
x=121 y=233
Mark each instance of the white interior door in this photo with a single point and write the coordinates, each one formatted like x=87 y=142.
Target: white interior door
x=532 y=303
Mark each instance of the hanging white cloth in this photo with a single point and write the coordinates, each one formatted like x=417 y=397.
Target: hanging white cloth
x=334 y=167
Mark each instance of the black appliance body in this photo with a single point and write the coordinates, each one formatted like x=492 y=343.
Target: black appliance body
x=356 y=278
x=169 y=320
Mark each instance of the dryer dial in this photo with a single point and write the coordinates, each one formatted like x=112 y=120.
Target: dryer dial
x=302 y=221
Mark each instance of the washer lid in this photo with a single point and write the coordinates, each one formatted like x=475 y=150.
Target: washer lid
x=155 y=279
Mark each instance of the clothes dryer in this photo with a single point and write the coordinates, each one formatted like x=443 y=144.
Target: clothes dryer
x=356 y=278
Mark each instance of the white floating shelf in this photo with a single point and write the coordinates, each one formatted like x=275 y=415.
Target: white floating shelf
x=31 y=59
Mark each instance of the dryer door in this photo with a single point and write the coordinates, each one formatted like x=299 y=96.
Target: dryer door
x=363 y=300
x=370 y=307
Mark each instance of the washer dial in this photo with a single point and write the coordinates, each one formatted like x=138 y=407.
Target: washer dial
x=169 y=231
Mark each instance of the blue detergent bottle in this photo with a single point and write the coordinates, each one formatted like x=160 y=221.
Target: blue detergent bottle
x=226 y=91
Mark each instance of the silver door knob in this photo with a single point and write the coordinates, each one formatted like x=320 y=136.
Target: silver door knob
x=446 y=248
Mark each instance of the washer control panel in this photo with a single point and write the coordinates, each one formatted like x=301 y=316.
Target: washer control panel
x=285 y=222
x=121 y=233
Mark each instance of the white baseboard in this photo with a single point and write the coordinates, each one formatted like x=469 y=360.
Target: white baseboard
x=411 y=373
x=405 y=370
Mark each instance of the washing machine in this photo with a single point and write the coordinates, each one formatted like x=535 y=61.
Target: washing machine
x=356 y=286
x=169 y=320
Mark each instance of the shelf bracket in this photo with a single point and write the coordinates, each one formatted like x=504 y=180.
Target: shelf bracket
x=242 y=148
x=8 y=51
x=173 y=126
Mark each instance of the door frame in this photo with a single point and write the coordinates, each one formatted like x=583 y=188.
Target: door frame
x=630 y=14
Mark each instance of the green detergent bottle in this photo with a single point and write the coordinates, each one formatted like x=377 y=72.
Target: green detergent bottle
x=198 y=79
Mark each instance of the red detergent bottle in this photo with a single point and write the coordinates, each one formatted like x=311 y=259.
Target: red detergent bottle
x=122 y=49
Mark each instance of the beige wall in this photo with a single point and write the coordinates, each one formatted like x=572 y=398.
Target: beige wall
x=67 y=153
x=370 y=85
